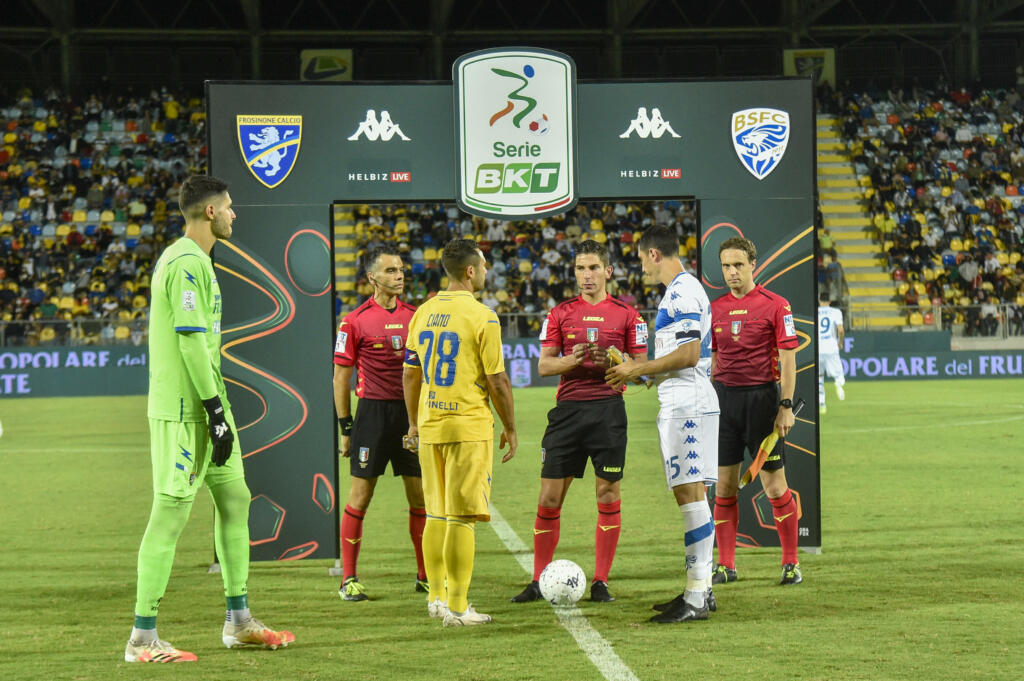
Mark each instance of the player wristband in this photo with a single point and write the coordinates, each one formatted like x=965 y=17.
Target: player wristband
x=346 y=425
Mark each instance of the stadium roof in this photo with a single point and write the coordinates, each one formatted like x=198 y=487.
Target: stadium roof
x=612 y=30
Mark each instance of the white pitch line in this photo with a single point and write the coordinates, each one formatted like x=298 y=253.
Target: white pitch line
x=933 y=426
x=590 y=642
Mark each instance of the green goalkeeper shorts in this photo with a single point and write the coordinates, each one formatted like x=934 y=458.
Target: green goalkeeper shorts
x=181 y=451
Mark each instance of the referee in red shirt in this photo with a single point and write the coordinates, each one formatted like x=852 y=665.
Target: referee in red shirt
x=371 y=339
x=589 y=420
x=753 y=367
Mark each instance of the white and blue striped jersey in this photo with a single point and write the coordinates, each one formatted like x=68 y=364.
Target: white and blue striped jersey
x=684 y=316
x=828 y=335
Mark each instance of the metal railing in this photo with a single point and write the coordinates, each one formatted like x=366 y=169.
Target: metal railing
x=60 y=332
x=992 y=321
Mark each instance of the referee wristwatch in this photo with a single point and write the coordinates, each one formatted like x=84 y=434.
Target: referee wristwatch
x=787 y=403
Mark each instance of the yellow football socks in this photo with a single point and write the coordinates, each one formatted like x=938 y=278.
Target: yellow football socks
x=459 y=552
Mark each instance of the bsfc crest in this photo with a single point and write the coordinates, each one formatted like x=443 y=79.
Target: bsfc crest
x=396 y=342
x=591 y=335
x=759 y=137
x=270 y=146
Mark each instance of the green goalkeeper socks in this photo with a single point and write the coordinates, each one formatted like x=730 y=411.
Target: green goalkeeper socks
x=231 y=534
x=156 y=554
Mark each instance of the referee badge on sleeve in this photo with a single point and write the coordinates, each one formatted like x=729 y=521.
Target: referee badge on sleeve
x=342 y=340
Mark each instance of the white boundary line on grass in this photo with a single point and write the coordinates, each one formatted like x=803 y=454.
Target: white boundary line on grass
x=932 y=426
x=590 y=642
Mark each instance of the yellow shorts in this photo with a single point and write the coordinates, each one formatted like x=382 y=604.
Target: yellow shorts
x=457 y=478
x=180 y=453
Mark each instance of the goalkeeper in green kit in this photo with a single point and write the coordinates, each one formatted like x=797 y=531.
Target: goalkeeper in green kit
x=192 y=433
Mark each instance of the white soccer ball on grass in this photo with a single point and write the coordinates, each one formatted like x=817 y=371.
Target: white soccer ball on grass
x=562 y=583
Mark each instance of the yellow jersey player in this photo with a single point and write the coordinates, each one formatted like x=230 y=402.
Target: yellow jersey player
x=453 y=364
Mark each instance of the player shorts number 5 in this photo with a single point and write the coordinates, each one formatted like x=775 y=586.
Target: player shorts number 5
x=689 y=449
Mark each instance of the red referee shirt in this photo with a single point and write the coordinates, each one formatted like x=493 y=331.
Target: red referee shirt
x=610 y=322
x=747 y=333
x=372 y=339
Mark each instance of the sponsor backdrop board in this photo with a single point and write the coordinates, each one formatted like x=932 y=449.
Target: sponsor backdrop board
x=743 y=148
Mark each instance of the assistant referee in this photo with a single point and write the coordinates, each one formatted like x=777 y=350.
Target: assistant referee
x=753 y=367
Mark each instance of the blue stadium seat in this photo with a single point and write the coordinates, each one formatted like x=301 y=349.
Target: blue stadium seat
x=90 y=230
x=35 y=230
x=130 y=243
x=949 y=260
x=418 y=268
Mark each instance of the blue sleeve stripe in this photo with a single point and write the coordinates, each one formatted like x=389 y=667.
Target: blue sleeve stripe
x=664 y=318
x=190 y=328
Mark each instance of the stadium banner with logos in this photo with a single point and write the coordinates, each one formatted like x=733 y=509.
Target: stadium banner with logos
x=744 y=149
x=78 y=371
x=818 y=63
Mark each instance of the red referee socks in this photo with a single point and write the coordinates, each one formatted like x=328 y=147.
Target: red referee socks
x=727 y=516
x=545 y=538
x=351 y=539
x=787 y=524
x=417 y=519
x=606 y=538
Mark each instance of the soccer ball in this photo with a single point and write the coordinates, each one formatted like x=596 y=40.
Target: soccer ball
x=562 y=583
x=539 y=126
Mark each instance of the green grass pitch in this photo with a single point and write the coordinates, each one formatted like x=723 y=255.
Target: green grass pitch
x=920 y=576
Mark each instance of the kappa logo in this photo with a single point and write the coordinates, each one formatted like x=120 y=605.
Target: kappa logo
x=689 y=424
x=270 y=146
x=759 y=137
x=374 y=129
x=653 y=127
x=690 y=439
x=692 y=455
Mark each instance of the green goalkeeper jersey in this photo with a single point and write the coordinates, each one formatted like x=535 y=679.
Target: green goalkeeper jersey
x=185 y=298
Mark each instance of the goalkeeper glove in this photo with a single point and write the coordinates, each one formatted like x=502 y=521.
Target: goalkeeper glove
x=220 y=432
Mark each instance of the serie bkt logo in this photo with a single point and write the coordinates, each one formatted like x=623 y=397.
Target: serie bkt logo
x=515 y=133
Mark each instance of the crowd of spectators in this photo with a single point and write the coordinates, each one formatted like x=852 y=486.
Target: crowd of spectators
x=531 y=262
x=88 y=195
x=943 y=172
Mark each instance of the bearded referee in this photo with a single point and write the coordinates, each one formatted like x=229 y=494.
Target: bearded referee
x=753 y=366
x=371 y=340
x=192 y=432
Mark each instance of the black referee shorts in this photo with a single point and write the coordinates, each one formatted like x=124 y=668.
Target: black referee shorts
x=578 y=431
x=748 y=416
x=377 y=438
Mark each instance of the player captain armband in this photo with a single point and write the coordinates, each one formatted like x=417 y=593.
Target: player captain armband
x=345 y=422
x=615 y=357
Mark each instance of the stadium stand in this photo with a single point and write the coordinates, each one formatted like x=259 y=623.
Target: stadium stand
x=84 y=195
x=940 y=178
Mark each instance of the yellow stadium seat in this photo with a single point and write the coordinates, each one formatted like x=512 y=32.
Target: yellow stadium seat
x=24 y=203
x=122 y=332
x=956 y=244
x=964 y=300
x=916 y=319
x=1015 y=257
x=430 y=253
x=902 y=288
x=920 y=288
x=63 y=230
x=1003 y=258
x=79 y=216
x=133 y=229
x=929 y=274
x=47 y=334
x=600 y=237
x=525 y=267
x=66 y=303
x=947 y=191
x=988 y=286
x=107 y=216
